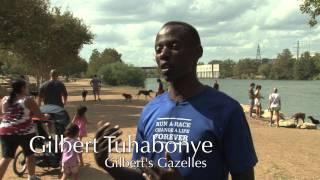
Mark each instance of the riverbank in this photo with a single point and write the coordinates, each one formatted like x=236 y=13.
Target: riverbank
x=283 y=153
x=296 y=96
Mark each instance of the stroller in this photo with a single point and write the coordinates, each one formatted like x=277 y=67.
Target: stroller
x=50 y=157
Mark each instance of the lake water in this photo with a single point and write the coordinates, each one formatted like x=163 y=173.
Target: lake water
x=296 y=96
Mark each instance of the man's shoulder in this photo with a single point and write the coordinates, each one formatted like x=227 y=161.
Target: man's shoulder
x=60 y=83
x=158 y=101
x=214 y=97
x=44 y=84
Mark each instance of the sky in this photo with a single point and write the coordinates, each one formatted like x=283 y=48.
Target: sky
x=229 y=29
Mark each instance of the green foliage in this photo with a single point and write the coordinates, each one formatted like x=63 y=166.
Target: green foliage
x=75 y=66
x=311 y=8
x=283 y=66
x=246 y=68
x=226 y=68
x=10 y=63
x=44 y=39
x=265 y=69
x=316 y=62
x=215 y=61
x=97 y=59
x=304 y=67
x=122 y=74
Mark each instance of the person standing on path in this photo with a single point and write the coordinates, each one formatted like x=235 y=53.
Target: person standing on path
x=96 y=85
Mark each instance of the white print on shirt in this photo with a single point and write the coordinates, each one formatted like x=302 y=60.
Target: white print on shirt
x=172 y=129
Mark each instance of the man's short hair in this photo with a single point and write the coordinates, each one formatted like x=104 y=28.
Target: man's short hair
x=188 y=29
x=53 y=73
x=275 y=90
x=252 y=84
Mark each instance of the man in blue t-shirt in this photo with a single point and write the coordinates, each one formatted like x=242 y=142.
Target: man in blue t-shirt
x=195 y=132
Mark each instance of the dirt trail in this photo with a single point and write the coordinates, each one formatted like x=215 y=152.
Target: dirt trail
x=283 y=153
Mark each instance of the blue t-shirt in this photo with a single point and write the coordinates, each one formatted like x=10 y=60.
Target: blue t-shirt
x=210 y=116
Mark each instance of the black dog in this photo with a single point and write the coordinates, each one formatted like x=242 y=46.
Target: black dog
x=84 y=95
x=127 y=97
x=298 y=116
x=145 y=93
x=313 y=120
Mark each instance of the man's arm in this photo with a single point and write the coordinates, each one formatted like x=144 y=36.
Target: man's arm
x=119 y=173
x=247 y=175
x=41 y=95
x=238 y=146
x=65 y=99
x=64 y=94
x=123 y=173
x=279 y=101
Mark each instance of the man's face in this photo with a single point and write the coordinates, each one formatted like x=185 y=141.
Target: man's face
x=175 y=57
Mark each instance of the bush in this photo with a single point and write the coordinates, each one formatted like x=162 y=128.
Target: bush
x=116 y=74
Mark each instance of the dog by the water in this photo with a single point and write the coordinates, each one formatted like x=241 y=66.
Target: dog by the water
x=146 y=93
x=84 y=95
x=298 y=116
x=313 y=120
x=127 y=97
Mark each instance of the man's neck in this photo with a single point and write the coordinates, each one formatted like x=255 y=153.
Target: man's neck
x=184 y=88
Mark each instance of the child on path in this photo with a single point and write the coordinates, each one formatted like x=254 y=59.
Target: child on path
x=70 y=163
x=81 y=121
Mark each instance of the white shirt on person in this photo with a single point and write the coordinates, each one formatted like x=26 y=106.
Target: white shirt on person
x=274 y=100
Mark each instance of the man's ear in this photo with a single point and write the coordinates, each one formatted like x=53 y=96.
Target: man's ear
x=199 y=51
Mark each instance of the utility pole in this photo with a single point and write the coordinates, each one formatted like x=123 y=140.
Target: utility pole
x=298 y=48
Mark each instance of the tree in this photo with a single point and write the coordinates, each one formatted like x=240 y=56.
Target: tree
x=226 y=68
x=122 y=74
x=44 y=39
x=11 y=63
x=22 y=20
x=282 y=67
x=215 y=61
x=316 y=62
x=304 y=68
x=246 y=68
x=75 y=66
x=97 y=59
x=265 y=69
x=311 y=8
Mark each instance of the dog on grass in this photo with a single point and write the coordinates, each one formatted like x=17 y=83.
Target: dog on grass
x=145 y=93
x=84 y=94
x=313 y=120
x=298 y=116
x=127 y=97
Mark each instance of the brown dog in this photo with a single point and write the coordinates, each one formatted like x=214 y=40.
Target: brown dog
x=145 y=93
x=298 y=116
x=127 y=97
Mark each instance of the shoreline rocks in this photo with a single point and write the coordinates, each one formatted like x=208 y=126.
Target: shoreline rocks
x=287 y=123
